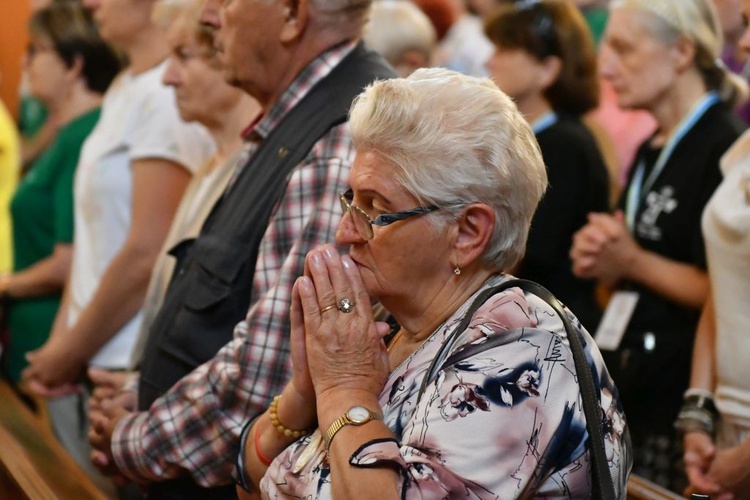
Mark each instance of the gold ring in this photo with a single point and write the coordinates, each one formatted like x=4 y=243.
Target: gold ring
x=334 y=306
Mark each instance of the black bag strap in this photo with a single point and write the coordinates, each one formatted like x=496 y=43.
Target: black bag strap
x=603 y=487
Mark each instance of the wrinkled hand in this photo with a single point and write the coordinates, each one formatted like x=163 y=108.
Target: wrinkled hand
x=103 y=423
x=698 y=455
x=604 y=249
x=52 y=370
x=344 y=350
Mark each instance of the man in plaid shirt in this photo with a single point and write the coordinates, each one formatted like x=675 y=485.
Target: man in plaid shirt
x=278 y=51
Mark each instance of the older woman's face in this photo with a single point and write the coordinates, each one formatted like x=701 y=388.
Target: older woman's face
x=640 y=67
x=202 y=94
x=406 y=259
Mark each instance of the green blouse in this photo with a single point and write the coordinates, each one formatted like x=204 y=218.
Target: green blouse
x=42 y=211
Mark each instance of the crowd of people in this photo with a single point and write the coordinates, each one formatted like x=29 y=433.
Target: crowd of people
x=277 y=249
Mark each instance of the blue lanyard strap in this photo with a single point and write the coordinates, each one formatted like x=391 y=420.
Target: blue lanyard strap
x=544 y=122
x=637 y=186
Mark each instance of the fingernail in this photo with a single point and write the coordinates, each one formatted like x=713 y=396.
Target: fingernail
x=347 y=262
x=304 y=284
x=330 y=252
x=316 y=259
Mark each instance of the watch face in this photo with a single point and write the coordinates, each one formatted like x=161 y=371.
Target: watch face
x=358 y=414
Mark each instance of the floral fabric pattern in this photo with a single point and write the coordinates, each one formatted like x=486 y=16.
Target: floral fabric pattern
x=505 y=423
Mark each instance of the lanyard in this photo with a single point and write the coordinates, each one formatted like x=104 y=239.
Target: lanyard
x=637 y=185
x=544 y=122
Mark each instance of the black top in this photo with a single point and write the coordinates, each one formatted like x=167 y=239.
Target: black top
x=578 y=184
x=668 y=218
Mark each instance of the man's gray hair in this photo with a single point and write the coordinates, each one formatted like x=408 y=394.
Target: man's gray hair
x=341 y=14
x=456 y=140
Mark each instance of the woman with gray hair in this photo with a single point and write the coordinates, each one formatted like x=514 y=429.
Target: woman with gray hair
x=465 y=393
x=662 y=57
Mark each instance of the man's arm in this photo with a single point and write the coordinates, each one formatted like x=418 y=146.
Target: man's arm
x=201 y=417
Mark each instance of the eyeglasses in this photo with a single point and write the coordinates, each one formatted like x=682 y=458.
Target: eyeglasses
x=363 y=223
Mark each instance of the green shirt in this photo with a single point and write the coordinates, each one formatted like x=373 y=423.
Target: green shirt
x=42 y=211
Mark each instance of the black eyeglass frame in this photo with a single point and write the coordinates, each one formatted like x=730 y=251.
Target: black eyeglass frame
x=383 y=219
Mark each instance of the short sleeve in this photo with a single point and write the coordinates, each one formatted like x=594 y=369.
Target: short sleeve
x=161 y=133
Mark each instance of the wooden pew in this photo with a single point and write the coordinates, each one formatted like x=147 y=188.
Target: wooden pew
x=33 y=465
x=643 y=489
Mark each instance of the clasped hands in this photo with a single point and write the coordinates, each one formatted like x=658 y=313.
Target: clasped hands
x=604 y=249
x=335 y=354
x=723 y=474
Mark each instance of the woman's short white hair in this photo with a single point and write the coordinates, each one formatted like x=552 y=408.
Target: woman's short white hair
x=699 y=21
x=455 y=140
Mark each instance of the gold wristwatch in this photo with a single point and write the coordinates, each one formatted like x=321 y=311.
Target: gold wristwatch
x=356 y=415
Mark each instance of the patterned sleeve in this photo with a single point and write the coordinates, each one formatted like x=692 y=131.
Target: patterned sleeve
x=515 y=406
x=195 y=427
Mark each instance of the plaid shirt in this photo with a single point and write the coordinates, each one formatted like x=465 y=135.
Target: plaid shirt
x=195 y=427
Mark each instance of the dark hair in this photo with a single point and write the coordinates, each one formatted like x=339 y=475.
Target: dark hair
x=545 y=28
x=70 y=29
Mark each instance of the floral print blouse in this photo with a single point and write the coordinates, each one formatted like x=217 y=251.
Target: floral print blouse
x=506 y=423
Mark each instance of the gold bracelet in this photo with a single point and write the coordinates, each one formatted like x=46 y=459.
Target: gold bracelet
x=273 y=412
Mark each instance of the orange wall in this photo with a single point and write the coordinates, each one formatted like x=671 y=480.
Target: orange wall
x=13 y=40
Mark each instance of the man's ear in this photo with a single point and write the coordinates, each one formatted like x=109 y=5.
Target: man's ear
x=296 y=15
x=474 y=230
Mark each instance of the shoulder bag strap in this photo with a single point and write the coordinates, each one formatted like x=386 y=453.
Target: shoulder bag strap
x=602 y=487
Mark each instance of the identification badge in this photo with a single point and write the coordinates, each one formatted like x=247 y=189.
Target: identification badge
x=615 y=320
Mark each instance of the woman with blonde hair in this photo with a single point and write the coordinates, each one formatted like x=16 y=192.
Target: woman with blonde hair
x=660 y=56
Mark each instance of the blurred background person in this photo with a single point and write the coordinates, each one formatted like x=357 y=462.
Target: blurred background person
x=733 y=24
x=661 y=57
x=202 y=96
x=131 y=175
x=546 y=61
x=463 y=47
x=715 y=416
x=9 y=168
x=69 y=67
x=403 y=34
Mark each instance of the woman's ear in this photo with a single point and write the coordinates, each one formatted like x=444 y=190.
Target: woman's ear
x=550 y=71
x=295 y=19
x=75 y=70
x=684 y=53
x=474 y=230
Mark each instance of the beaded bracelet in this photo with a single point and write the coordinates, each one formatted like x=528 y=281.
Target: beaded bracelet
x=274 y=414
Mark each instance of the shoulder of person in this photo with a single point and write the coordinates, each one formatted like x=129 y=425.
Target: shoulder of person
x=737 y=154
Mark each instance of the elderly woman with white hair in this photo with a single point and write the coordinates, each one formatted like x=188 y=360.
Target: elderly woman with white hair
x=662 y=57
x=473 y=389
